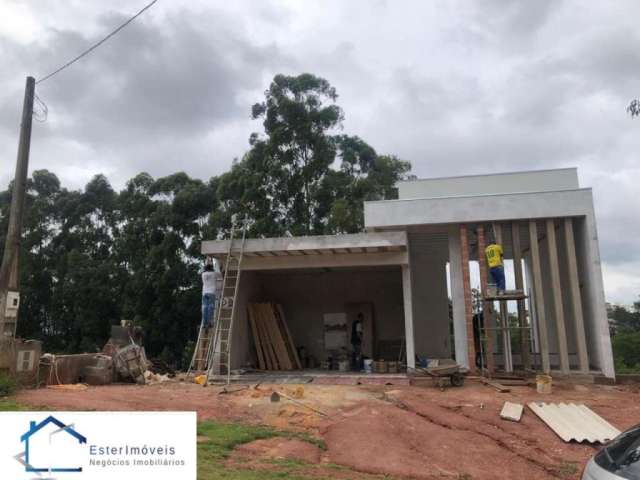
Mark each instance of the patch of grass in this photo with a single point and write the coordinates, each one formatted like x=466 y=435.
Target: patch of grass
x=568 y=469
x=10 y=405
x=7 y=385
x=290 y=463
x=223 y=438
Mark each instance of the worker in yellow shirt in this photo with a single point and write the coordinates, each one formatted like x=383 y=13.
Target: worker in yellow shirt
x=496 y=266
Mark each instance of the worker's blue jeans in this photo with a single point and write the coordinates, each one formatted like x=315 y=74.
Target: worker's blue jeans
x=497 y=275
x=208 y=309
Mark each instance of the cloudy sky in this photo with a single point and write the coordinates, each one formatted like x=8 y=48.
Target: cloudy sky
x=456 y=87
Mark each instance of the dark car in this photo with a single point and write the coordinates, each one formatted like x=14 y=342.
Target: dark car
x=619 y=459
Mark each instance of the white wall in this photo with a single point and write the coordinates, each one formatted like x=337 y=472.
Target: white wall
x=428 y=255
x=403 y=213
x=514 y=182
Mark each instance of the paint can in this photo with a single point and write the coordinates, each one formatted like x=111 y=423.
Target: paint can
x=392 y=367
x=380 y=366
x=543 y=383
x=343 y=365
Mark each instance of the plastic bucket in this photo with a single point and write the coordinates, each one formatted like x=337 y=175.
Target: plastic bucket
x=543 y=383
x=368 y=366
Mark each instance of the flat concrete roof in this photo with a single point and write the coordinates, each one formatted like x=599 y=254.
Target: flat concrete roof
x=377 y=242
x=491 y=183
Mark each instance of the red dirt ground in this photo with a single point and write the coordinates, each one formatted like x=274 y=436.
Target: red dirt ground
x=281 y=449
x=410 y=432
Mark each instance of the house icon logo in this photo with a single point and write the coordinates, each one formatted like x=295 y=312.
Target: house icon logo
x=49 y=446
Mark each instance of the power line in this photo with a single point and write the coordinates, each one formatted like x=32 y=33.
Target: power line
x=40 y=109
x=93 y=47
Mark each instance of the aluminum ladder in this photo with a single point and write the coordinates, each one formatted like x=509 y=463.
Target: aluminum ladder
x=219 y=356
x=201 y=352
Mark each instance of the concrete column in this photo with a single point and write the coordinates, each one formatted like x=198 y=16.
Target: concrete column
x=468 y=307
x=458 y=298
x=539 y=296
x=408 y=317
x=517 y=269
x=487 y=309
x=603 y=355
x=558 y=309
x=576 y=300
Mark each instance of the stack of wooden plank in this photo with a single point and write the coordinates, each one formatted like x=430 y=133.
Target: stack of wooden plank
x=274 y=344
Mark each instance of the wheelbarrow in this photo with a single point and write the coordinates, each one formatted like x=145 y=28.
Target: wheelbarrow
x=441 y=373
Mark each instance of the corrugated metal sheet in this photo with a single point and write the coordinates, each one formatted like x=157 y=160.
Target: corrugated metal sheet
x=574 y=422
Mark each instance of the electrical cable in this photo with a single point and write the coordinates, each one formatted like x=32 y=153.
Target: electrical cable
x=40 y=109
x=96 y=45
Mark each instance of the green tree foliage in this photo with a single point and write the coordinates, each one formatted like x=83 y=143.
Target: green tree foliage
x=625 y=328
x=301 y=177
x=93 y=257
x=622 y=319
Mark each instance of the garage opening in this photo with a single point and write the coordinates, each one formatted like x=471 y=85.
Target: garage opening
x=320 y=306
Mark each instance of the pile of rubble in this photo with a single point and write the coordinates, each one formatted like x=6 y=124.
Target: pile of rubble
x=122 y=359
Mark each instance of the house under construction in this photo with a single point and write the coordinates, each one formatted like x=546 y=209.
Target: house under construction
x=410 y=276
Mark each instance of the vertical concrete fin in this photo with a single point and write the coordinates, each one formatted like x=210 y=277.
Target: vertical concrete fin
x=576 y=300
x=556 y=287
x=487 y=309
x=517 y=269
x=458 y=298
x=468 y=307
x=408 y=317
x=539 y=296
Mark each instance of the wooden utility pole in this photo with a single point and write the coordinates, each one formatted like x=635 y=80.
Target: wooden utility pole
x=9 y=273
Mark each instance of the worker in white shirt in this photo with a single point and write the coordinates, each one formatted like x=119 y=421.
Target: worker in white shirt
x=211 y=286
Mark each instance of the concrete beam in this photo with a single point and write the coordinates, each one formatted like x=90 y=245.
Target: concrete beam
x=576 y=300
x=324 y=261
x=321 y=243
x=536 y=275
x=556 y=287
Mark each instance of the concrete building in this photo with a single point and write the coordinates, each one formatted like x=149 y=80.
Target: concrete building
x=411 y=271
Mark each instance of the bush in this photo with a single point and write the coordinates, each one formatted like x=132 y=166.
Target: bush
x=7 y=385
x=626 y=351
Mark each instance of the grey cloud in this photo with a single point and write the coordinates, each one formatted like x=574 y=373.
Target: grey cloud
x=456 y=88
x=150 y=97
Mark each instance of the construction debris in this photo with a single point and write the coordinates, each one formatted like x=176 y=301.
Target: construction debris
x=73 y=387
x=499 y=387
x=130 y=363
x=574 y=422
x=275 y=397
x=91 y=368
x=512 y=411
x=274 y=344
x=153 y=378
